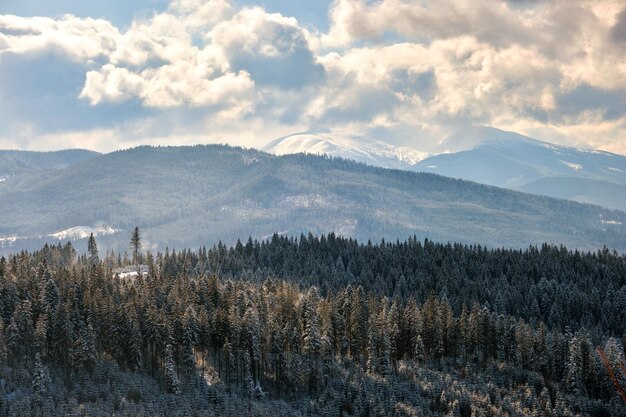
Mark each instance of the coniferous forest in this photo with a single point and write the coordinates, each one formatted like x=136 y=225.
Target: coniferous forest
x=313 y=326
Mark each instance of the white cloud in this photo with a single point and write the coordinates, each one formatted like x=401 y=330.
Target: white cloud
x=82 y=39
x=199 y=14
x=359 y=19
x=169 y=85
x=256 y=32
x=168 y=61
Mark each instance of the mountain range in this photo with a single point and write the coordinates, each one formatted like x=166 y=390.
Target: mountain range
x=192 y=196
x=488 y=156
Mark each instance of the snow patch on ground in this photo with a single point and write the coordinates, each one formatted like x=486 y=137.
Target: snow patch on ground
x=268 y=237
x=576 y=167
x=247 y=160
x=401 y=153
x=8 y=241
x=346 y=227
x=305 y=201
x=83 y=232
x=131 y=272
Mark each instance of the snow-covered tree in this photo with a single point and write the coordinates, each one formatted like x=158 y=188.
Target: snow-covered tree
x=574 y=373
x=171 y=377
x=41 y=378
x=20 y=333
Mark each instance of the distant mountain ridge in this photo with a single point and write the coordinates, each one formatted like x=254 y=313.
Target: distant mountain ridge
x=489 y=156
x=507 y=159
x=14 y=162
x=192 y=196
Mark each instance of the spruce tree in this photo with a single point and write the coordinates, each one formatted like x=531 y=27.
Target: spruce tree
x=51 y=295
x=419 y=351
x=41 y=378
x=574 y=373
x=190 y=338
x=372 y=359
x=135 y=245
x=21 y=334
x=171 y=378
x=92 y=249
x=135 y=342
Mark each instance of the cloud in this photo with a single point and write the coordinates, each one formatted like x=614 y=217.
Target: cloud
x=405 y=71
x=80 y=39
x=493 y=63
x=608 y=104
x=618 y=31
x=204 y=54
x=170 y=85
x=422 y=21
x=159 y=63
x=273 y=48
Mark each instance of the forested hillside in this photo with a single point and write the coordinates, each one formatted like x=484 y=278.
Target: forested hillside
x=17 y=163
x=188 y=196
x=314 y=327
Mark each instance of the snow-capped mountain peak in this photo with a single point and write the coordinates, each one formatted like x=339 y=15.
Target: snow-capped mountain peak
x=347 y=146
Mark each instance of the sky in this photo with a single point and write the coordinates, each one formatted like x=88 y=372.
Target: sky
x=115 y=74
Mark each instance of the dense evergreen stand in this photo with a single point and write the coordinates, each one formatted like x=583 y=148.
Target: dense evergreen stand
x=314 y=326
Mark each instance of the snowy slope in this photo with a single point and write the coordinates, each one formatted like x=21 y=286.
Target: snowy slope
x=347 y=146
x=71 y=234
x=83 y=232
